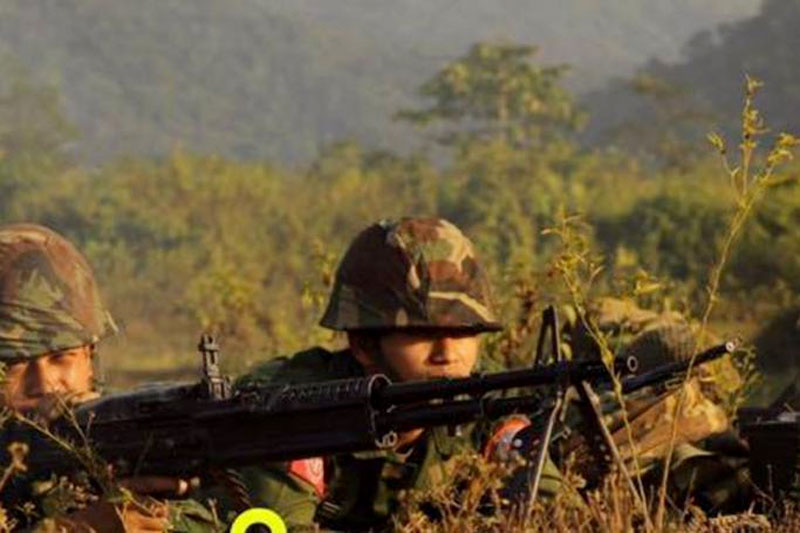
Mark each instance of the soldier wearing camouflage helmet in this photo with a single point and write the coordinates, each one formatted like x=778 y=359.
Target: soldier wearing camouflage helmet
x=51 y=319
x=709 y=460
x=413 y=299
x=415 y=273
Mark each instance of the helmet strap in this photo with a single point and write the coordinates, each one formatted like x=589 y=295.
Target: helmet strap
x=98 y=371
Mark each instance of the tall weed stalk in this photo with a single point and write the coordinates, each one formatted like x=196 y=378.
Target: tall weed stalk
x=751 y=177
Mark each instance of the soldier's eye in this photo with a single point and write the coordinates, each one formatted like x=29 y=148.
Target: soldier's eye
x=15 y=369
x=61 y=358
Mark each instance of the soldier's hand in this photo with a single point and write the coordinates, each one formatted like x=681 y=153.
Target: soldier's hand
x=155 y=518
x=162 y=486
x=144 y=515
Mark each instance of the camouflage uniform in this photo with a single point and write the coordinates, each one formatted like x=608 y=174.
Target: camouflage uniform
x=414 y=273
x=710 y=460
x=49 y=302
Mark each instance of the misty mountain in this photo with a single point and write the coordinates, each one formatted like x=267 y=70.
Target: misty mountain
x=279 y=79
x=708 y=80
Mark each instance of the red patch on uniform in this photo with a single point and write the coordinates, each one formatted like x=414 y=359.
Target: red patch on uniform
x=312 y=471
x=499 y=444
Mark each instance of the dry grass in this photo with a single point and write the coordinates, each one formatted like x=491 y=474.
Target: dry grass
x=469 y=502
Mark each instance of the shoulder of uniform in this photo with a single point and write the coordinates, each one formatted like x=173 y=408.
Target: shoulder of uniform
x=499 y=440
x=315 y=364
x=311 y=471
x=319 y=364
x=263 y=372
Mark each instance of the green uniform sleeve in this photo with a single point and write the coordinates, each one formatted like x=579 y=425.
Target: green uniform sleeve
x=550 y=482
x=716 y=481
x=185 y=516
x=189 y=516
x=292 y=498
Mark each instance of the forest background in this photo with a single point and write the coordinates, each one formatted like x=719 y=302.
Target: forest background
x=214 y=190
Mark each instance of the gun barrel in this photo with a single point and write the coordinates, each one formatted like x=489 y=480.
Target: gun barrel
x=454 y=412
x=676 y=369
x=569 y=372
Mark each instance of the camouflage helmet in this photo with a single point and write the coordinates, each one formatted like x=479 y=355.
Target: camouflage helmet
x=48 y=296
x=411 y=273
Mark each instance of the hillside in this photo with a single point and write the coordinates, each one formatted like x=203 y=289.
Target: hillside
x=707 y=81
x=258 y=79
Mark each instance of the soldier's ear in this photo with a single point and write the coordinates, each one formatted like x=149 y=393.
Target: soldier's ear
x=94 y=359
x=89 y=350
x=365 y=347
x=91 y=353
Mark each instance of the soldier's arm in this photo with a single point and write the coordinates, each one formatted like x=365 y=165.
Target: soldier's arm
x=717 y=480
x=295 y=499
x=147 y=514
x=515 y=434
x=190 y=516
x=110 y=518
x=142 y=513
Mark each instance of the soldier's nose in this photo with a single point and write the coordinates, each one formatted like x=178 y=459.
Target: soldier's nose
x=444 y=351
x=37 y=382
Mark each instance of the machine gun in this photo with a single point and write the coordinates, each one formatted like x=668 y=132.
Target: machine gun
x=191 y=429
x=773 y=436
x=660 y=381
x=593 y=432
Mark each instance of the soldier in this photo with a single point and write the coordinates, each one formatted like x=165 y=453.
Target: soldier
x=413 y=300
x=709 y=463
x=51 y=320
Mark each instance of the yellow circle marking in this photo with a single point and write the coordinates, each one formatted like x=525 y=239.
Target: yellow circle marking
x=260 y=516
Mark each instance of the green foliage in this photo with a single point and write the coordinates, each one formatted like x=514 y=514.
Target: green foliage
x=495 y=93
x=31 y=123
x=671 y=231
x=34 y=134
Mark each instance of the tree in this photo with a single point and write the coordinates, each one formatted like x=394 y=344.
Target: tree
x=31 y=118
x=495 y=92
x=34 y=133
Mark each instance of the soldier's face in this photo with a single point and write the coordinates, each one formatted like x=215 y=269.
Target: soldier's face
x=29 y=384
x=418 y=355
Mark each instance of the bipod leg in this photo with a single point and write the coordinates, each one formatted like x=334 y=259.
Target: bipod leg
x=535 y=474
